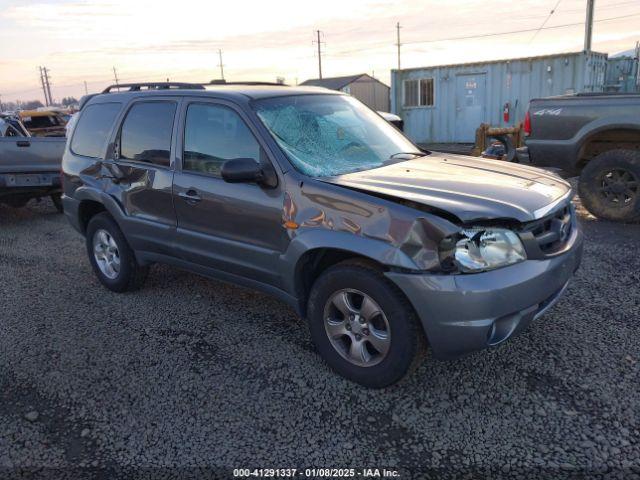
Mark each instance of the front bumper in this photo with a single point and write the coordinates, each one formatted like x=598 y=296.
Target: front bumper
x=468 y=312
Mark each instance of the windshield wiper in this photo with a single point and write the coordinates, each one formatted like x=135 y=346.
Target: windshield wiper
x=417 y=154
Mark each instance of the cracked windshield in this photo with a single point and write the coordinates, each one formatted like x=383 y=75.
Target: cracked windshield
x=326 y=135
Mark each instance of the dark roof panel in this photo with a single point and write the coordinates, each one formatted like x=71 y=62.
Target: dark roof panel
x=238 y=92
x=333 y=83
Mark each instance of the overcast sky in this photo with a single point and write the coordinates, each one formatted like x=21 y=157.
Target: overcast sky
x=153 y=40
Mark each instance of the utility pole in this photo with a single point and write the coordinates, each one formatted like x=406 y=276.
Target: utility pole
x=318 y=32
x=46 y=81
x=115 y=75
x=637 y=66
x=86 y=91
x=220 y=64
x=44 y=87
x=398 y=42
x=588 y=27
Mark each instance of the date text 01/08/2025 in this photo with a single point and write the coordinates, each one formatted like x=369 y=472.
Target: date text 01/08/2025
x=316 y=472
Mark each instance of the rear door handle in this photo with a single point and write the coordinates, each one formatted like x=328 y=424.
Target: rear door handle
x=23 y=143
x=191 y=196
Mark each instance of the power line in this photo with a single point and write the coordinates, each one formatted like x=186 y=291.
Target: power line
x=470 y=37
x=553 y=10
x=485 y=35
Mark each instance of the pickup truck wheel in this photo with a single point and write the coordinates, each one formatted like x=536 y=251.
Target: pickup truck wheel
x=56 y=198
x=362 y=325
x=112 y=259
x=609 y=186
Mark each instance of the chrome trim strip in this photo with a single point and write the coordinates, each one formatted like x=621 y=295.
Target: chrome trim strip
x=544 y=211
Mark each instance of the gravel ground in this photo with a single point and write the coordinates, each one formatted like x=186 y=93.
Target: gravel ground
x=191 y=378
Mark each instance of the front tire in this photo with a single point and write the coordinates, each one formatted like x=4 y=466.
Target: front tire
x=362 y=325
x=112 y=259
x=609 y=186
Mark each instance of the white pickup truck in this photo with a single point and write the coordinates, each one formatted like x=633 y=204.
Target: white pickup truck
x=29 y=166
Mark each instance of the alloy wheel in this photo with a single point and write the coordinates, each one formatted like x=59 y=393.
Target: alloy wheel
x=357 y=327
x=106 y=254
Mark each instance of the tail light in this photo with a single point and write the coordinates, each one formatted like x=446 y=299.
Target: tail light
x=527 y=124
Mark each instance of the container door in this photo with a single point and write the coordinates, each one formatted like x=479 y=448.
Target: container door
x=470 y=105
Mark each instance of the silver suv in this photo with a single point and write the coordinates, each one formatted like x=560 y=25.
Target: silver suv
x=308 y=195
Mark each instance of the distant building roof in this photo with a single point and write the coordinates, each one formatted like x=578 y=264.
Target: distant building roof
x=336 y=83
x=626 y=53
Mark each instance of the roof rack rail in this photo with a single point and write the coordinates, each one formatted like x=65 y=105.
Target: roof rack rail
x=135 y=87
x=224 y=82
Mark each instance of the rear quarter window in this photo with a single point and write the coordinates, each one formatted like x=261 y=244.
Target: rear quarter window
x=91 y=133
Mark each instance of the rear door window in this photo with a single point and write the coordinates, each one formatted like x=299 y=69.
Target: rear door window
x=146 y=133
x=90 y=135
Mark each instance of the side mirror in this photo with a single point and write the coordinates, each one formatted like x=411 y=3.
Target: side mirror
x=247 y=170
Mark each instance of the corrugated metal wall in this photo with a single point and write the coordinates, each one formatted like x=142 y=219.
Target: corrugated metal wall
x=515 y=81
x=371 y=92
x=622 y=75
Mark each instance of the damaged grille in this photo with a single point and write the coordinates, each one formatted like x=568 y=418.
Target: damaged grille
x=552 y=232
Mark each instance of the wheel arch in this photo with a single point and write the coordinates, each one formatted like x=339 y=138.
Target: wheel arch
x=92 y=202
x=605 y=137
x=309 y=255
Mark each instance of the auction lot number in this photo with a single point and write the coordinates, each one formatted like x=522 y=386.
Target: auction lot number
x=315 y=472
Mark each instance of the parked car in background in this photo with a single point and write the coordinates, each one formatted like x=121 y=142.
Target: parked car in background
x=596 y=136
x=11 y=126
x=29 y=166
x=312 y=197
x=393 y=119
x=44 y=123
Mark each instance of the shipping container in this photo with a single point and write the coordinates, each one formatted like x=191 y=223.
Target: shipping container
x=448 y=103
x=622 y=75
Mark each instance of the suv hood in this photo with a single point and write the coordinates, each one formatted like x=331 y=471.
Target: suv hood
x=471 y=189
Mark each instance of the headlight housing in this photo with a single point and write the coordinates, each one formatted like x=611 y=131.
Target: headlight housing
x=479 y=249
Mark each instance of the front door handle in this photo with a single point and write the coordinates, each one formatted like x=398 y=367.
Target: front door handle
x=23 y=143
x=191 y=196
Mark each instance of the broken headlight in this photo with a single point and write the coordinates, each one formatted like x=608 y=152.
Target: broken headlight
x=478 y=249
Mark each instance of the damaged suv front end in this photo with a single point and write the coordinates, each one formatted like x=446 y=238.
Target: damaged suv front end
x=494 y=281
x=480 y=248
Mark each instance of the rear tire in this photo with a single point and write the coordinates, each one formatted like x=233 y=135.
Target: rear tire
x=386 y=345
x=609 y=186
x=111 y=257
x=56 y=198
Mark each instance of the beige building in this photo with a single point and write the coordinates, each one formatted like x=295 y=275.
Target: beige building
x=370 y=91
